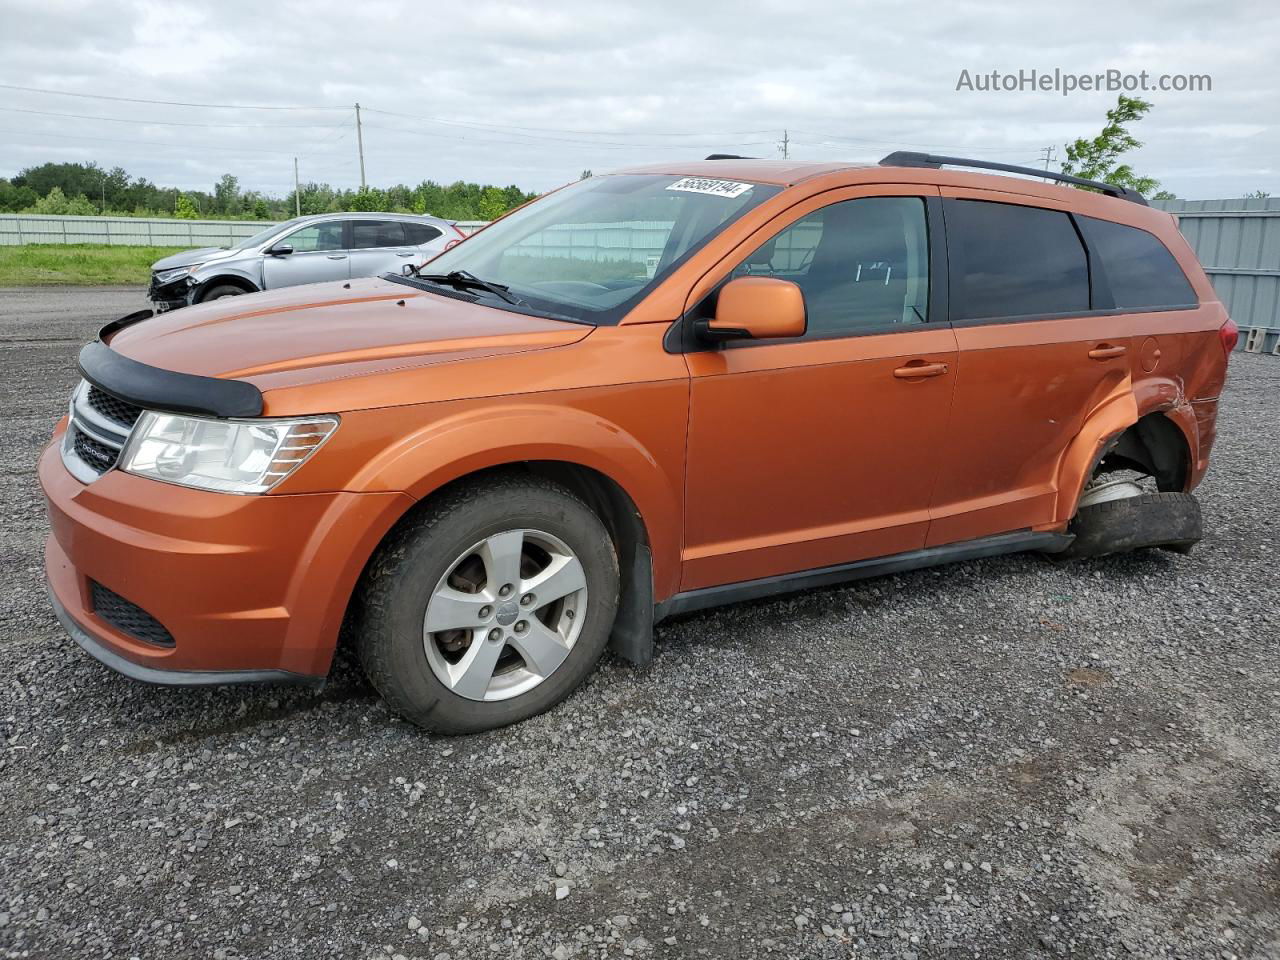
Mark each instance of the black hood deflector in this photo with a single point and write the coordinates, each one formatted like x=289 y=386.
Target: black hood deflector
x=153 y=388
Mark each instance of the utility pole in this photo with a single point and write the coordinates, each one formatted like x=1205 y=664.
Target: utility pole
x=1049 y=154
x=784 y=145
x=360 y=144
x=297 y=196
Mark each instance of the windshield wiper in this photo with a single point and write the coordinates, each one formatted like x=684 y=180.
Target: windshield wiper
x=464 y=278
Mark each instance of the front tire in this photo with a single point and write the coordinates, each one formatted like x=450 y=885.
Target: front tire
x=489 y=606
x=220 y=291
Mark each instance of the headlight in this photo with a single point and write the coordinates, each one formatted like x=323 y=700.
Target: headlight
x=168 y=276
x=232 y=456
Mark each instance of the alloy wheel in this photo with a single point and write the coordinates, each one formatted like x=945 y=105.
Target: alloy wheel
x=505 y=615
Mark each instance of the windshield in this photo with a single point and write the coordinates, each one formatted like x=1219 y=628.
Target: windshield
x=262 y=236
x=590 y=251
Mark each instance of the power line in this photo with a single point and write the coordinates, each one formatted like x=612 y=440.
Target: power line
x=167 y=103
x=516 y=130
x=156 y=143
x=600 y=144
x=500 y=127
x=906 y=143
x=170 y=123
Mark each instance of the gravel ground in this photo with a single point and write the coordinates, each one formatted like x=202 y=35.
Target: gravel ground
x=1003 y=758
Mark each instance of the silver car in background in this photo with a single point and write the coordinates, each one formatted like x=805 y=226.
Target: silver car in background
x=328 y=246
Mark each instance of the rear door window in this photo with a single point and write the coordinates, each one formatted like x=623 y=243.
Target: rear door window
x=368 y=234
x=1140 y=270
x=1008 y=260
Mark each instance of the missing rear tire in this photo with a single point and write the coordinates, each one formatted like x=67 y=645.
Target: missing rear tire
x=1170 y=521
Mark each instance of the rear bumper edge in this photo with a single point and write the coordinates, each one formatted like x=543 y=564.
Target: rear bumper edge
x=180 y=678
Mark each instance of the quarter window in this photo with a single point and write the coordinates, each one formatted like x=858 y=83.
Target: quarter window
x=1013 y=261
x=419 y=233
x=367 y=234
x=861 y=264
x=318 y=236
x=1140 y=270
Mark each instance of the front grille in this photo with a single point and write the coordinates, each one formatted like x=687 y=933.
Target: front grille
x=113 y=408
x=97 y=455
x=98 y=430
x=128 y=618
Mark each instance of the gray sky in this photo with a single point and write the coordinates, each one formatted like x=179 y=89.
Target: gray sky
x=532 y=96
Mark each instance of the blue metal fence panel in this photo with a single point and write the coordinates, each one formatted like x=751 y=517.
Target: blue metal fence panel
x=1238 y=243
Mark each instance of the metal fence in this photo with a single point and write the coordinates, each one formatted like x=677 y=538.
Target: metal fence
x=22 y=228
x=1238 y=243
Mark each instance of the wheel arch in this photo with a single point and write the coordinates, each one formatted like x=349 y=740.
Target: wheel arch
x=219 y=280
x=1151 y=429
x=632 y=636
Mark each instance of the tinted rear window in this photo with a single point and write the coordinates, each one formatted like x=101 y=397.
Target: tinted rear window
x=1013 y=261
x=368 y=234
x=1139 y=268
x=419 y=233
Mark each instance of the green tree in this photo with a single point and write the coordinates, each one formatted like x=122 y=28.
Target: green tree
x=1099 y=158
x=15 y=198
x=226 y=195
x=57 y=203
x=585 y=175
x=492 y=205
x=367 y=200
x=185 y=209
x=1257 y=195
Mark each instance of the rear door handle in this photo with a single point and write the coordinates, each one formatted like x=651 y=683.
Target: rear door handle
x=919 y=369
x=399 y=254
x=336 y=256
x=1106 y=352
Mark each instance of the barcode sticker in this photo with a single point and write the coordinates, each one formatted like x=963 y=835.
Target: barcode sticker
x=716 y=188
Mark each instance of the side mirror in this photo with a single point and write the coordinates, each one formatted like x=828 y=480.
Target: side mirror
x=408 y=270
x=756 y=308
x=280 y=250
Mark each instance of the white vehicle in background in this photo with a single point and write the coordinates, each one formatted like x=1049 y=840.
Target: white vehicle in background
x=328 y=246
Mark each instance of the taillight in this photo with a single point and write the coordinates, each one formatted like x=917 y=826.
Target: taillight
x=1229 y=335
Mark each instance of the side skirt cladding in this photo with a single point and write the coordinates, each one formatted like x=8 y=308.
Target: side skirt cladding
x=1016 y=542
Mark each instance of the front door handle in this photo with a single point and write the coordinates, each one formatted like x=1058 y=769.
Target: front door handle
x=918 y=369
x=1106 y=352
x=336 y=256
x=398 y=254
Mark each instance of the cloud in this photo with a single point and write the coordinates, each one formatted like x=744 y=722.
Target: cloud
x=536 y=93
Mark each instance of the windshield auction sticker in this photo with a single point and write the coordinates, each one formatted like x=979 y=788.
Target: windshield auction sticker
x=716 y=188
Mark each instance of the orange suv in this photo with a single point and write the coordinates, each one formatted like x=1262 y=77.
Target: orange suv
x=643 y=394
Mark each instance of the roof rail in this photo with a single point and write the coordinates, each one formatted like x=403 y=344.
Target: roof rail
x=727 y=156
x=907 y=158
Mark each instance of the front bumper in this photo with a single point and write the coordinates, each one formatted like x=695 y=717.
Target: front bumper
x=249 y=587
x=168 y=296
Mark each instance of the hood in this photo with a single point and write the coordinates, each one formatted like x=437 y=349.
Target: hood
x=187 y=257
x=330 y=331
